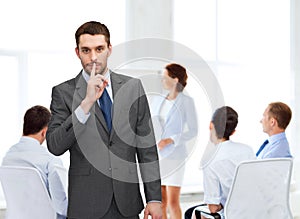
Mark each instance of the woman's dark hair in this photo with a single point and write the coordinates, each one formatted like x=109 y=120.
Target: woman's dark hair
x=225 y=120
x=177 y=71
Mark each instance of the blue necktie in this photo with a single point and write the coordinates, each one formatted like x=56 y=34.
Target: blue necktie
x=262 y=147
x=105 y=103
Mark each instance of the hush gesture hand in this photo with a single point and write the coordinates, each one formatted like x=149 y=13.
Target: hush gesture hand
x=95 y=87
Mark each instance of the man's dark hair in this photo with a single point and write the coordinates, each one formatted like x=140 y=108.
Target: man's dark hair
x=35 y=119
x=225 y=120
x=92 y=28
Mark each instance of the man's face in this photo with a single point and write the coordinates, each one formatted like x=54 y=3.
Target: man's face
x=93 y=49
x=266 y=121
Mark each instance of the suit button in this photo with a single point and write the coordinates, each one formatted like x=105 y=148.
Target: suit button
x=110 y=143
x=109 y=169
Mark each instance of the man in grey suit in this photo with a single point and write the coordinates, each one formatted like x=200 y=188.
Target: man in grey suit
x=106 y=140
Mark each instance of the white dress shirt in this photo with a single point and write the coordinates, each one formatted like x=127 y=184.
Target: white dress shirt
x=219 y=173
x=29 y=153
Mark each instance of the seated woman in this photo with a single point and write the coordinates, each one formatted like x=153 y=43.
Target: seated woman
x=219 y=172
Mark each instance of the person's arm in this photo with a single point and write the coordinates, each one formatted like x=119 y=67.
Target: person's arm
x=57 y=186
x=212 y=191
x=60 y=134
x=147 y=156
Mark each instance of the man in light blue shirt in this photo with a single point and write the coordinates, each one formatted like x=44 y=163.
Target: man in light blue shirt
x=276 y=118
x=29 y=152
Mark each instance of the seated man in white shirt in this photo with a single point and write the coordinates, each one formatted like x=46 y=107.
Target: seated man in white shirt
x=29 y=152
x=219 y=172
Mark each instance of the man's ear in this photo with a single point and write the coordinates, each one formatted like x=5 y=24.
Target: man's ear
x=44 y=131
x=109 y=49
x=77 y=52
x=211 y=126
x=273 y=122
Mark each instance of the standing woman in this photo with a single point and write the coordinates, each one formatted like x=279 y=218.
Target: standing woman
x=175 y=123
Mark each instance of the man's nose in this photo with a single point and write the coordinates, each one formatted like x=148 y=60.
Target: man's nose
x=93 y=55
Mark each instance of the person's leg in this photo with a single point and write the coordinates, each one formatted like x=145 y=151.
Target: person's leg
x=173 y=193
x=164 y=201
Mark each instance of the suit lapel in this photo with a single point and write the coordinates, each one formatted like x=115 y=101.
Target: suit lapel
x=80 y=86
x=116 y=83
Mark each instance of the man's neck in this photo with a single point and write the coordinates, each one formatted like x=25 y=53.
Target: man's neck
x=36 y=137
x=275 y=132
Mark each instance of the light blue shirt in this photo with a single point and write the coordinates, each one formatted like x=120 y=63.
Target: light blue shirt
x=277 y=147
x=29 y=153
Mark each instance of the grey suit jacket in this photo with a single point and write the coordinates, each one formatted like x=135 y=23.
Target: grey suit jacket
x=102 y=164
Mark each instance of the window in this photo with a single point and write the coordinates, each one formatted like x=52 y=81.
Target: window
x=247 y=45
x=11 y=103
x=38 y=37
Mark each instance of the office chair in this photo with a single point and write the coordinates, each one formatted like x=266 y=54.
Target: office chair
x=260 y=189
x=25 y=193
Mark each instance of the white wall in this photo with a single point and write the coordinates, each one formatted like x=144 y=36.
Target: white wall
x=248 y=45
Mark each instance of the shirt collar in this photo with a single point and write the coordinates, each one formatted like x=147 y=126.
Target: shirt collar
x=276 y=137
x=86 y=76
x=29 y=139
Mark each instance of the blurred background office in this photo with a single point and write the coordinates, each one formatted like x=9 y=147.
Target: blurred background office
x=252 y=47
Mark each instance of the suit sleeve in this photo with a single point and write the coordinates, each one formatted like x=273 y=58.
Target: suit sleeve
x=147 y=150
x=60 y=134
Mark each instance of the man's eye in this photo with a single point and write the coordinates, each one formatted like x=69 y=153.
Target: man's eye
x=85 y=50
x=100 y=49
